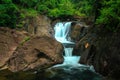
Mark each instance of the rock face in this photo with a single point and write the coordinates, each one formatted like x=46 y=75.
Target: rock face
x=20 y=51
x=101 y=49
x=39 y=25
x=35 y=54
x=78 y=30
x=9 y=40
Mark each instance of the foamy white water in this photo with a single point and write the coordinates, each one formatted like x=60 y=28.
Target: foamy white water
x=62 y=31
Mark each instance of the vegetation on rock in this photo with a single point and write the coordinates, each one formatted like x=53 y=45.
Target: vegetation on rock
x=25 y=40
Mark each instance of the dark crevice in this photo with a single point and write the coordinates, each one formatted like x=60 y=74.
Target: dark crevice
x=43 y=55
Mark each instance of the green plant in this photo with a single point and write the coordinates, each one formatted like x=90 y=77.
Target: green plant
x=25 y=40
x=8 y=14
x=110 y=15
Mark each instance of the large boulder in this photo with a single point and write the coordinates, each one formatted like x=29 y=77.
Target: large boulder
x=37 y=53
x=9 y=40
x=100 y=48
x=19 y=51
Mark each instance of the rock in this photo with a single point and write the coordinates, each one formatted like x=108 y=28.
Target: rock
x=37 y=53
x=101 y=49
x=84 y=45
x=9 y=40
x=39 y=25
x=78 y=30
x=21 y=51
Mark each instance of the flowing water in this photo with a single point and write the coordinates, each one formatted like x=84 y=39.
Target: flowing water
x=70 y=69
x=62 y=32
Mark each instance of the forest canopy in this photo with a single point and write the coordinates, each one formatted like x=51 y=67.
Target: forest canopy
x=106 y=12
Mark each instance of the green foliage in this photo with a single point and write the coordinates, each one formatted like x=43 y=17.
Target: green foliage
x=25 y=40
x=28 y=13
x=64 y=8
x=12 y=12
x=85 y=7
x=8 y=13
x=54 y=12
x=42 y=9
x=110 y=14
x=6 y=1
x=57 y=8
x=106 y=12
x=26 y=3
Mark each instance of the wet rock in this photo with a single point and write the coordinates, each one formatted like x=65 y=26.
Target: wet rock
x=100 y=49
x=78 y=30
x=37 y=53
x=84 y=45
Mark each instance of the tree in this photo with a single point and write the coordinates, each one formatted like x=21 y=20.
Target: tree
x=110 y=14
x=8 y=13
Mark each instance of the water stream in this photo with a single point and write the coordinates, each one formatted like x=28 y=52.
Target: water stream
x=62 y=32
x=70 y=69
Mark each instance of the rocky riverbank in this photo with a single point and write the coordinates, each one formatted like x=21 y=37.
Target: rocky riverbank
x=100 y=48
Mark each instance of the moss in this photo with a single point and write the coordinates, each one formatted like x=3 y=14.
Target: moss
x=25 y=40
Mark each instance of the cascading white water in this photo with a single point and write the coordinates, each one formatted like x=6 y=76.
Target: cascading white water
x=69 y=59
x=68 y=52
x=62 y=31
x=70 y=69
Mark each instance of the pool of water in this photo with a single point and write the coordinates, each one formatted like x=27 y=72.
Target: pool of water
x=68 y=73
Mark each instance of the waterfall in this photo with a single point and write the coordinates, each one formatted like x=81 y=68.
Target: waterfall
x=70 y=69
x=62 y=32
x=68 y=52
